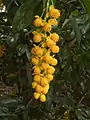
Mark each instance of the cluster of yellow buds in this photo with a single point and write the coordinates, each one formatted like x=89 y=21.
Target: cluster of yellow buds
x=2 y=50
x=43 y=52
x=1 y=3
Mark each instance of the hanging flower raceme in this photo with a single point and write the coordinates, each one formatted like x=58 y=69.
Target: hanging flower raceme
x=43 y=52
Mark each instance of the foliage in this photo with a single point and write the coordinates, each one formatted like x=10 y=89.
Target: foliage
x=69 y=95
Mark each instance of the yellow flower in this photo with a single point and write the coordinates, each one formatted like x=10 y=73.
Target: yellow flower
x=44 y=66
x=47 y=27
x=55 y=49
x=50 y=70
x=37 y=38
x=35 y=61
x=45 y=89
x=53 y=62
x=50 y=42
x=36 y=95
x=49 y=77
x=37 y=78
x=44 y=81
x=39 y=88
x=36 y=70
x=55 y=13
x=54 y=37
x=37 y=51
x=34 y=84
x=53 y=22
x=47 y=58
x=38 y=21
x=42 y=98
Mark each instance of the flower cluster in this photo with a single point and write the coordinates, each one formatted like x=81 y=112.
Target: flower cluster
x=43 y=52
x=2 y=50
x=1 y=3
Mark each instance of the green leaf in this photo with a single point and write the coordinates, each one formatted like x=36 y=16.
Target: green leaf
x=75 y=13
x=49 y=97
x=76 y=30
x=87 y=5
x=25 y=14
x=82 y=114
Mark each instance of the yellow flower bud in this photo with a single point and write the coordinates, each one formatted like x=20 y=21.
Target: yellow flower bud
x=47 y=58
x=37 y=78
x=53 y=22
x=34 y=84
x=50 y=42
x=50 y=70
x=37 y=38
x=49 y=77
x=55 y=49
x=38 y=21
x=45 y=89
x=47 y=27
x=44 y=81
x=35 y=61
x=42 y=98
x=55 y=13
x=36 y=95
x=39 y=88
x=44 y=66
x=53 y=62
x=37 y=51
x=36 y=70
x=54 y=37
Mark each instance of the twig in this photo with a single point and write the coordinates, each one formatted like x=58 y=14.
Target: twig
x=82 y=98
x=29 y=103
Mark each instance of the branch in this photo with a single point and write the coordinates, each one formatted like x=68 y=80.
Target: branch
x=82 y=98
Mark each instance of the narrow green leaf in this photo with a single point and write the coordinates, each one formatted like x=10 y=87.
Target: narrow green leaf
x=25 y=14
x=76 y=30
x=49 y=97
x=87 y=5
